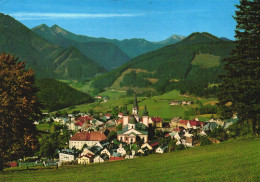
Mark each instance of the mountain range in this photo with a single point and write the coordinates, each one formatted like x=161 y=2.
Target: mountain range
x=186 y=63
x=189 y=65
x=47 y=60
x=111 y=53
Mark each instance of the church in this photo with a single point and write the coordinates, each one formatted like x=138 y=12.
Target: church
x=134 y=126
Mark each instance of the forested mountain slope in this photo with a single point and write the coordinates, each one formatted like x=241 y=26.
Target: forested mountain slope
x=56 y=95
x=132 y=47
x=105 y=53
x=190 y=66
x=46 y=59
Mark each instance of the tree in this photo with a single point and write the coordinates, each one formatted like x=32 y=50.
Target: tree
x=18 y=109
x=240 y=88
x=111 y=136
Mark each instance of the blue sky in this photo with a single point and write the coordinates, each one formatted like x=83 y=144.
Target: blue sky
x=153 y=20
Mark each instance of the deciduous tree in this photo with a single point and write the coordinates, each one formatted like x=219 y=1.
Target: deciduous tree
x=18 y=109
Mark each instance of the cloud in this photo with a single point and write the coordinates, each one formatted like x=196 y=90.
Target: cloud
x=39 y=16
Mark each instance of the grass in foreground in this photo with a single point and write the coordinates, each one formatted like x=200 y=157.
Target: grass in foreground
x=235 y=160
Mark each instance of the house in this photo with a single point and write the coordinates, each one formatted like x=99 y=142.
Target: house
x=86 y=151
x=98 y=97
x=182 y=123
x=121 y=150
x=154 y=144
x=111 y=123
x=161 y=149
x=67 y=155
x=175 y=103
x=146 y=145
x=105 y=151
x=132 y=130
x=202 y=133
x=108 y=116
x=175 y=135
x=98 y=159
x=85 y=159
x=86 y=137
x=229 y=122
x=157 y=121
x=210 y=126
x=194 y=124
x=188 y=139
x=120 y=115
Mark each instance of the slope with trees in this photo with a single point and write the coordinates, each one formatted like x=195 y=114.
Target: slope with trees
x=56 y=95
x=46 y=59
x=105 y=53
x=175 y=62
x=132 y=47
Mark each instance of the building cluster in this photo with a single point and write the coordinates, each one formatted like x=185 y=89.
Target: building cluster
x=90 y=143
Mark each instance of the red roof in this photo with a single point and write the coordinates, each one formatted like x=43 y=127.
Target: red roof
x=121 y=114
x=194 y=123
x=154 y=144
x=87 y=155
x=183 y=122
x=113 y=158
x=78 y=123
x=89 y=136
x=84 y=119
x=167 y=135
x=108 y=115
x=177 y=129
x=120 y=121
x=156 y=119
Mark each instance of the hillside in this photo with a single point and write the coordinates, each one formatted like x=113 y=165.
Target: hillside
x=105 y=53
x=235 y=160
x=132 y=47
x=57 y=95
x=189 y=65
x=46 y=59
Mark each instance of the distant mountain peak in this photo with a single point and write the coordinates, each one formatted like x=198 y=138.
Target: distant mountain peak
x=172 y=39
x=197 y=37
x=59 y=30
x=41 y=27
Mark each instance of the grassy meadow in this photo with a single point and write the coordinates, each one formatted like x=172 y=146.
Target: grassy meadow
x=234 y=160
x=156 y=105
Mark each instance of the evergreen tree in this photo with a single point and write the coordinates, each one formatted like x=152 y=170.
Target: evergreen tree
x=18 y=110
x=240 y=89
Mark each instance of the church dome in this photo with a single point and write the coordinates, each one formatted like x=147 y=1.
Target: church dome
x=132 y=120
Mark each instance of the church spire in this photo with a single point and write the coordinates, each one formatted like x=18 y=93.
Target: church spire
x=135 y=102
x=145 y=113
x=126 y=111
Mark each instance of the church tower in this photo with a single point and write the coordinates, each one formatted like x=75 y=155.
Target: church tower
x=135 y=109
x=125 y=117
x=145 y=117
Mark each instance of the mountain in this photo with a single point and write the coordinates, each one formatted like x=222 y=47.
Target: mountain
x=132 y=47
x=46 y=59
x=56 y=95
x=225 y=39
x=105 y=53
x=190 y=65
x=172 y=39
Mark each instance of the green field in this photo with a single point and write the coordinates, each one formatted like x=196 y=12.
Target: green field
x=206 y=60
x=156 y=105
x=234 y=160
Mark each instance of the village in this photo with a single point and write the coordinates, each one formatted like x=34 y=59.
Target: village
x=131 y=135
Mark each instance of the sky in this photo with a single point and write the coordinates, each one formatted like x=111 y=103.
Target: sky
x=154 y=20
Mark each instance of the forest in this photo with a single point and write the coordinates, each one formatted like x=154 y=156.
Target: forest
x=55 y=95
